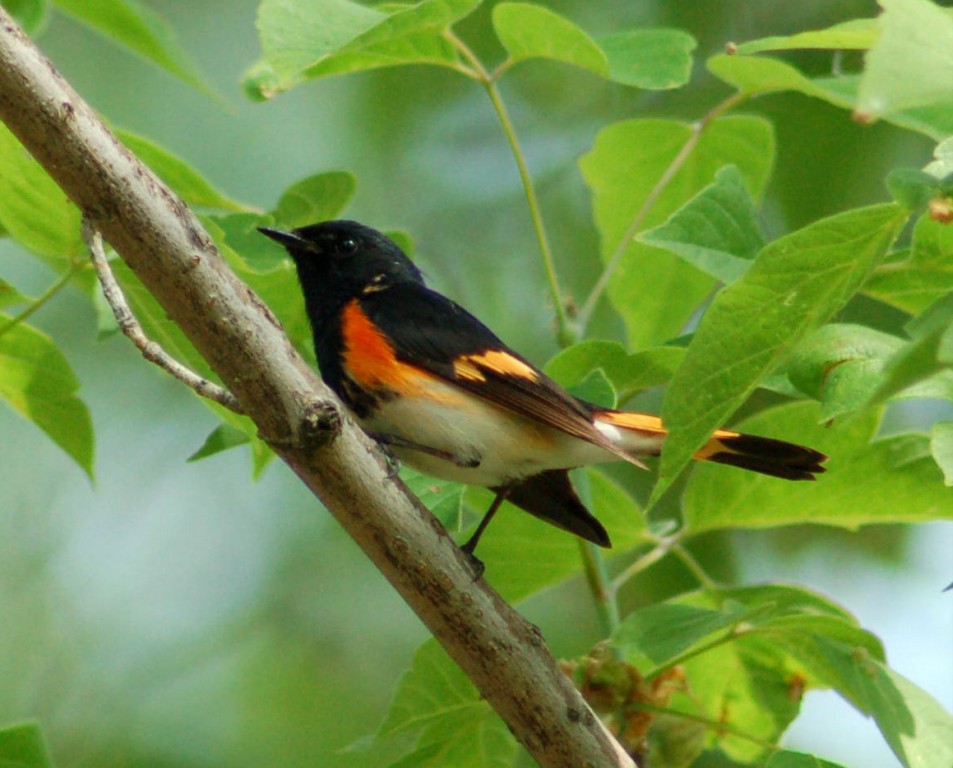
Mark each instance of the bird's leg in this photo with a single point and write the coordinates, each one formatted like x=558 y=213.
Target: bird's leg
x=470 y=546
x=397 y=441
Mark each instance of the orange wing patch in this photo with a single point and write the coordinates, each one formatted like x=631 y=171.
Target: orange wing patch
x=495 y=361
x=369 y=357
x=641 y=422
x=463 y=369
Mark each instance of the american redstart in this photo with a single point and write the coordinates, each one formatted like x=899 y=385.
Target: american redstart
x=426 y=378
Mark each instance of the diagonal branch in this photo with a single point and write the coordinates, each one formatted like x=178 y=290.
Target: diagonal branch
x=176 y=260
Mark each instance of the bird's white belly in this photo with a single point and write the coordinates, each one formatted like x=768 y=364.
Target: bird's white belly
x=501 y=445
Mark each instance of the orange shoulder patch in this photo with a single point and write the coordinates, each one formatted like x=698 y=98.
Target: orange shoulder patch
x=371 y=362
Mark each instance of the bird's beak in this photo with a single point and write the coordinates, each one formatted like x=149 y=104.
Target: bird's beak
x=287 y=239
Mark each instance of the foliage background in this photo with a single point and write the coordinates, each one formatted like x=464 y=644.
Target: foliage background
x=176 y=614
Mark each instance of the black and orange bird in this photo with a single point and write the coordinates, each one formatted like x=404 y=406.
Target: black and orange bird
x=430 y=381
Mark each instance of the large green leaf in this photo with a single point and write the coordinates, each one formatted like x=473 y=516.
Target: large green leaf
x=655 y=292
x=645 y=58
x=37 y=381
x=33 y=209
x=449 y=720
x=306 y=39
x=736 y=672
x=524 y=555
x=844 y=365
x=911 y=64
x=717 y=231
x=140 y=29
x=23 y=746
x=627 y=373
x=889 y=480
x=795 y=285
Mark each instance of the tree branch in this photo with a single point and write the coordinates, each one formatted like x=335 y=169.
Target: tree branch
x=129 y=325
x=164 y=244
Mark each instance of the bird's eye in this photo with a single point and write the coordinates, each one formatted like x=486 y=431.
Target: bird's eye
x=348 y=246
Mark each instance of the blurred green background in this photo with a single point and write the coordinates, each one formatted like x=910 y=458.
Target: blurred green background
x=180 y=614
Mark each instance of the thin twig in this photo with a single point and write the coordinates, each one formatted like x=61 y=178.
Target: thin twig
x=129 y=325
x=532 y=201
x=41 y=300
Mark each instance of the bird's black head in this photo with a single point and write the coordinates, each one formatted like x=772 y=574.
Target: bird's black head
x=340 y=260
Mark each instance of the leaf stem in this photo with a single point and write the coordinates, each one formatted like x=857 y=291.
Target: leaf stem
x=594 y=566
x=715 y=725
x=661 y=548
x=43 y=298
x=488 y=81
x=689 y=561
x=589 y=306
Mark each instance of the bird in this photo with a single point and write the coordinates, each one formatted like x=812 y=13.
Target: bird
x=446 y=396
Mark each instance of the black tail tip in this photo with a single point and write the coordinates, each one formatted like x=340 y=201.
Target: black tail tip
x=768 y=456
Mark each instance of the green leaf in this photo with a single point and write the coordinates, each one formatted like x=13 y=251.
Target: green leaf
x=141 y=30
x=919 y=731
x=925 y=276
x=33 y=209
x=756 y=75
x=316 y=198
x=37 y=381
x=663 y=633
x=627 y=373
x=941 y=446
x=596 y=388
x=655 y=292
x=455 y=724
x=23 y=746
x=307 y=39
x=856 y=34
x=443 y=498
x=524 y=555
x=717 y=230
x=10 y=296
x=223 y=437
x=788 y=759
x=32 y=15
x=844 y=365
x=736 y=671
x=532 y=32
x=181 y=177
x=911 y=64
x=930 y=352
x=653 y=59
x=796 y=284
x=889 y=480
x=912 y=188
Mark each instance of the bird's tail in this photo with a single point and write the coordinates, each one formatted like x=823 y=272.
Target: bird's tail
x=643 y=434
